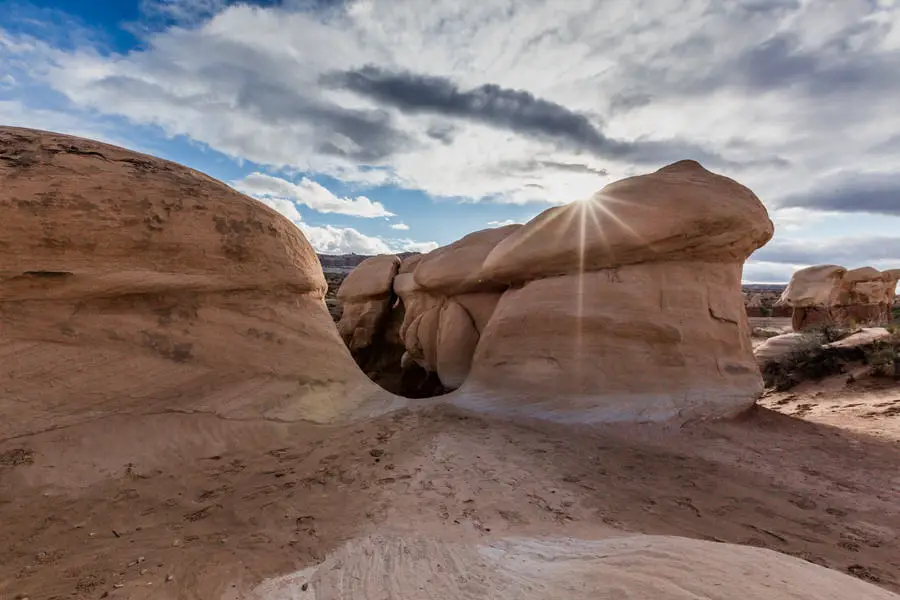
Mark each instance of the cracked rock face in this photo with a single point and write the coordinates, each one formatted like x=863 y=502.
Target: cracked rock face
x=133 y=284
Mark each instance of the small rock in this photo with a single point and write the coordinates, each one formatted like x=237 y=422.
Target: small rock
x=170 y=578
x=143 y=571
x=176 y=543
x=376 y=452
x=304 y=587
x=140 y=559
x=118 y=585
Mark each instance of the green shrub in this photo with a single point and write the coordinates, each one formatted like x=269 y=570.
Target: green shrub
x=809 y=360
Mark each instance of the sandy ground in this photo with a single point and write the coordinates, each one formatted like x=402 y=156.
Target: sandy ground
x=214 y=521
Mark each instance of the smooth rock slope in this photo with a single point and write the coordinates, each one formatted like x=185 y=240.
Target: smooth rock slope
x=130 y=284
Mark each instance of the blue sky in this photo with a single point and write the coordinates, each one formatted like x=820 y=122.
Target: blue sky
x=389 y=125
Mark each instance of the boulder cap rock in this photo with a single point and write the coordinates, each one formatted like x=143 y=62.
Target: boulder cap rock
x=680 y=212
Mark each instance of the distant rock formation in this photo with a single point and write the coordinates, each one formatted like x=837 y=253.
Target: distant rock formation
x=136 y=285
x=624 y=307
x=832 y=295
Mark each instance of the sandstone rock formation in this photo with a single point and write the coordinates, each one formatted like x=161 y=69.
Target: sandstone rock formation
x=133 y=284
x=448 y=304
x=639 y=567
x=371 y=324
x=367 y=298
x=782 y=345
x=832 y=295
x=625 y=307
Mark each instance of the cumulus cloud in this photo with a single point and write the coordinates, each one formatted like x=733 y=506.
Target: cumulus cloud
x=342 y=240
x=400 y=226
x=503 y=223
x=413 y=246
x=311 y=194
x=506 y=101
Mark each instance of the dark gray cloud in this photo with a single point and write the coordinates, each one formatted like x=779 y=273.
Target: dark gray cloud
x=441 y=132
x=514 y=110
x=851 y=192
x=373 y=135
x=849 y=251
x=530 y=166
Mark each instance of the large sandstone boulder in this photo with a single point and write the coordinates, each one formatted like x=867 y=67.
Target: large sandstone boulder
x=447 y=304
x=130 y=284
x=626 y=307
x=680 y=213
x=832 y=295
x=366 y=296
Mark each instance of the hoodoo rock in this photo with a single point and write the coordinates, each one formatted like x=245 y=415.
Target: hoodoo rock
x=832 y=295
x=625 y=307
x=130 y=284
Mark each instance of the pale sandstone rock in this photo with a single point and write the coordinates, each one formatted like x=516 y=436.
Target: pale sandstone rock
x=681 y=212
x=813 y=286
x=372 y=278
x=455 y=268
x=367 y=298
x=446 y=305
x=832 y=295
x=456 y=341
x=137 y=285
x=647 y=324
x=864 y=337
x=667 y=341
x=782 y=345
x=641 y=567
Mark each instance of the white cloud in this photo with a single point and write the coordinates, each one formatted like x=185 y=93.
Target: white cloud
x=413 y=246
x=503 y=223
x=328 y=239
x=400 y=226
x=310 y=194
x=7 y=80
x=248 y=82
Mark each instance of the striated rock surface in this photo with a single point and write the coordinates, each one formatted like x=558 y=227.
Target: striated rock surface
x=832 y=295
x=130 y=284
x=627 y=307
